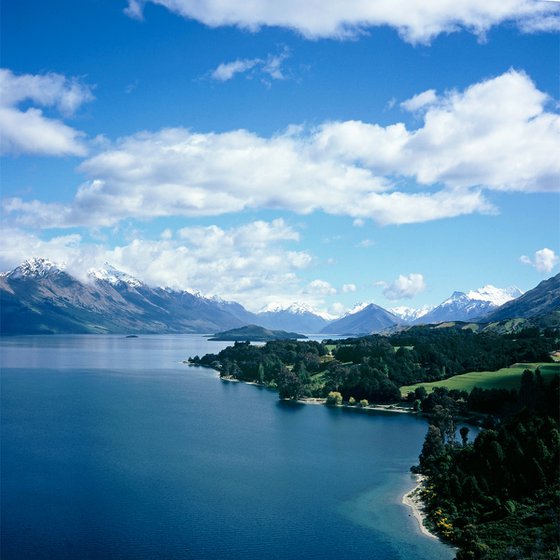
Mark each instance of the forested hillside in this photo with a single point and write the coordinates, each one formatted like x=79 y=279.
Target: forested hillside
x=497 y=497
x=375 y=366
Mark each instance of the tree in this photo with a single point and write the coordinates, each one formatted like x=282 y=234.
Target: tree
x=334 y=398
x=443 y=419
x=289 y=384
x=432 y=449
x=464 y=431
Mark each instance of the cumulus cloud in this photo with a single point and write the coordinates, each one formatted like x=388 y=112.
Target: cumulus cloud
x=19 y=246
x=495 y=135
x=544 y=260
x=253 y=263
x=415 y=20
x=320 y=287
x=405 y=287
x=30 y=131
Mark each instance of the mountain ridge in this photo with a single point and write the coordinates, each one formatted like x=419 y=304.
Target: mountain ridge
x=466 y=306
x=41 y=296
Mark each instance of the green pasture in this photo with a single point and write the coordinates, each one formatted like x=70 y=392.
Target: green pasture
x=505 y=378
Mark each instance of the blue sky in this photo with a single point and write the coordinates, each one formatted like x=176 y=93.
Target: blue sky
x=269 y=153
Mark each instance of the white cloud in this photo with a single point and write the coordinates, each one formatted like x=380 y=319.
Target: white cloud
x=18 y=246
x=495 y=135
x=252 y=263
x=30 y=131
x=227 y=70
x=365 y=243
x=544 y=260
x=348 y=288
x=420 y=101
x=267 y=68
x=405 y=287
x=415 y=20
x=337 y=309
x=320 y=287
x=273 y=64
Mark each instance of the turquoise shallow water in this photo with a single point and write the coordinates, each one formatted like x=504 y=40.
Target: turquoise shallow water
x=112 y=448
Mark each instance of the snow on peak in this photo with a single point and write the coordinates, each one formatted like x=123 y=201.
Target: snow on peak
x=496 y=296
x=276 y=307
x=411 y=313
x=36 y=268
x=357 y=308
x=296 y=308
x=110 y=274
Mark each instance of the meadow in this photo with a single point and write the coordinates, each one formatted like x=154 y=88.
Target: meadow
x=505 y=378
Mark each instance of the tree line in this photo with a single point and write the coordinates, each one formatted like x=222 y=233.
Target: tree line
x=374 y=367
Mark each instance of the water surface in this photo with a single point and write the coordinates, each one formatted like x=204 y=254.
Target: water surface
x=112 y=448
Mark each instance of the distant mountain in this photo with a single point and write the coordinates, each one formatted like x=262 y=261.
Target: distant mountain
x=294 y=317
x=410 y=314
x=542 y=300
x=255 y=333
x=468 y=306
x=41 y=297
x=237 y=310
x=363 y=319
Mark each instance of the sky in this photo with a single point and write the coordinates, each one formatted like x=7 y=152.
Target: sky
x=321 y=152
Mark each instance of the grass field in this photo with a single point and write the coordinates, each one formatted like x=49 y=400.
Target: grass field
x=505 y=378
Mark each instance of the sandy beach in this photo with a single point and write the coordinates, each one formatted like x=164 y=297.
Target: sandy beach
x=412 y=500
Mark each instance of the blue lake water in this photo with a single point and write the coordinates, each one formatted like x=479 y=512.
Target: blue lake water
x=111 y=448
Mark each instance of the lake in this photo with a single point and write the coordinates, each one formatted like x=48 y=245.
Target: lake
x=112 y=448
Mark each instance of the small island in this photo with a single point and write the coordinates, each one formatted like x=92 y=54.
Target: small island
x=255 y=333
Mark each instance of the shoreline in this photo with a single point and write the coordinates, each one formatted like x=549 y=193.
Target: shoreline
x=413 y=501
x=322 y=401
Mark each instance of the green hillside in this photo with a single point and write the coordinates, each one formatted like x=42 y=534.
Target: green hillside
x=505 y=378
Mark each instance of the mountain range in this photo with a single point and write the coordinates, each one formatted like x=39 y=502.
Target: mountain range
x=41 y=297
x=468 y=306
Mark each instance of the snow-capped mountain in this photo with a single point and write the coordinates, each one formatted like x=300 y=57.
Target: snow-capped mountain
x=40 y=297
x=109 y=273
x=463 y=306
x=495 y=296
x=542 y=300
x=410 y=314
x=35 y=268
x=297 y=308
x=299 y=317
x=356 y=309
